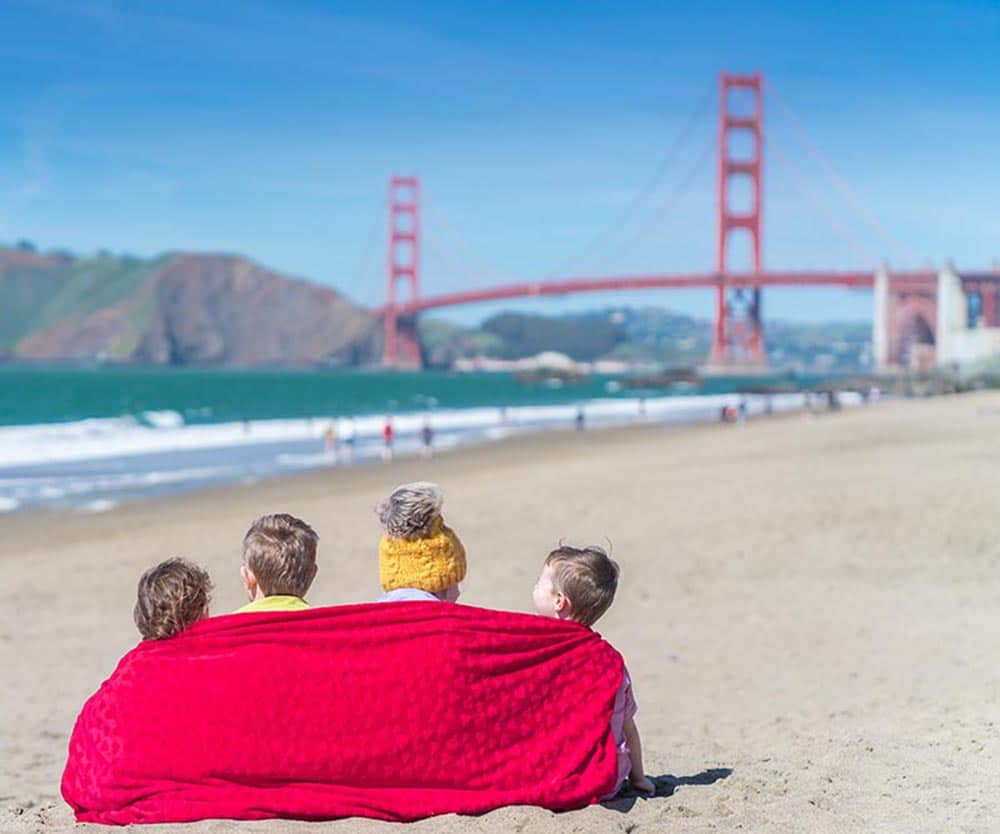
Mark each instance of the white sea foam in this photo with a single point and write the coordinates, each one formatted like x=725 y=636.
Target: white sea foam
x=75 y=487
x=99 y=505
x=166 y=431
x=163 y=419
x=306 y=461
x=95 y=464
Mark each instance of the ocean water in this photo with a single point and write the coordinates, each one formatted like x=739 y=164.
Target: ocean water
x=89 y=439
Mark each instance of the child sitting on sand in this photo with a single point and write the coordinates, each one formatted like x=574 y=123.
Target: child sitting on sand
x=170 y=597
x=579 y=584
x=420 y=557
x=278 y=563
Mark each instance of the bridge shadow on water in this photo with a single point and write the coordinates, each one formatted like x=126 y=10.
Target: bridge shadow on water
x=665 y=786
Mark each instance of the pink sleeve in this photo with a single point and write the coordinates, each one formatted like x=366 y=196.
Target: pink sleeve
x=629 y=706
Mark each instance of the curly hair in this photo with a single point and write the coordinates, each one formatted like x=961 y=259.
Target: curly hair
x=171 y=596
x=409 y=511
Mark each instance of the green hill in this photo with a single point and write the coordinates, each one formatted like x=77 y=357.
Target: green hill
x=178 y=308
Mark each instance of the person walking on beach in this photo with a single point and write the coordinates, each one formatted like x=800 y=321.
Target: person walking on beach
x=387 y=433
x=426 y=439
x=580 y=420
x=347 y=435
x=330 y=442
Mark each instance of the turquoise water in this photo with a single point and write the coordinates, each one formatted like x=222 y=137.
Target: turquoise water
x=89 y=439
x=33 y=395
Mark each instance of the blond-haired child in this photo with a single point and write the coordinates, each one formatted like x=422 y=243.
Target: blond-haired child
x=579 y=583
x=171 y=596
x=278 y=563
x=420 y=557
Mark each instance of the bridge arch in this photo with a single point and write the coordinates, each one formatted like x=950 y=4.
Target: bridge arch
x=914 y=326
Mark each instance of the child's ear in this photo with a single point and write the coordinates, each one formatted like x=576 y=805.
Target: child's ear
x=249 y=581
x=563 y=606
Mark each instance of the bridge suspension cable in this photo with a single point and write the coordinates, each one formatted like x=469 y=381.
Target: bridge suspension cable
x=788 y=166
x=673 y=198
x=361 y=287
x=840 y=183
x=465 y=253
x=451 y=262
x=680 y=142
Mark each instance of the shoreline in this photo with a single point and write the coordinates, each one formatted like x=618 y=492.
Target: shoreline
x=93 y=466
x=343 y=477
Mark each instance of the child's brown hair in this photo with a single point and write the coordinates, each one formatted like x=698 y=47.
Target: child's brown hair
x=588 y=577
x=280 y=549
x=170 y=597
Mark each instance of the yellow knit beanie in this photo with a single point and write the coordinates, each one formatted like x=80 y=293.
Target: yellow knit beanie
x=432 y=563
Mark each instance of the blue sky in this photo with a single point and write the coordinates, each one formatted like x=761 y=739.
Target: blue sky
x=270 y=129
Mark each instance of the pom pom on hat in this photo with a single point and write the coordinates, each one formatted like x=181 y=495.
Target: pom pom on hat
x=431 y=563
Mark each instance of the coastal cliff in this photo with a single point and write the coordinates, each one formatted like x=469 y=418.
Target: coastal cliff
x=177 y=309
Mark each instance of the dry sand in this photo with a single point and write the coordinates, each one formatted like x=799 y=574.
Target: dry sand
x=809 y=610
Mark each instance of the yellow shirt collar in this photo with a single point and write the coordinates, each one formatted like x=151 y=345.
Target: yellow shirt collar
x=278 y=602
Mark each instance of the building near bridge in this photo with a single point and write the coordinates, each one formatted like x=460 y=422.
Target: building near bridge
x=943 y=319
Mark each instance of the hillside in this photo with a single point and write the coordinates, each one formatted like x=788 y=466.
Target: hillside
x=647 y=334
x=176 y=309
x=190 y=309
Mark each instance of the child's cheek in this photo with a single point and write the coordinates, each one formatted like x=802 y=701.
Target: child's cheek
x=543 y=604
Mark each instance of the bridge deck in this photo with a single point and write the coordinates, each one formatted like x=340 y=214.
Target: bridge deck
x=569 y=286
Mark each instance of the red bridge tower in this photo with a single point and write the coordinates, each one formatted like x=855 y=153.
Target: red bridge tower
x=738 y=338
x=402 y=344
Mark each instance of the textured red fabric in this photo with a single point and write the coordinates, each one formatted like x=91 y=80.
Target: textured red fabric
x=395 y=711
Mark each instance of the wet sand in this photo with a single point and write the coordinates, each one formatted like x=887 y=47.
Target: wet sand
x=810 y=608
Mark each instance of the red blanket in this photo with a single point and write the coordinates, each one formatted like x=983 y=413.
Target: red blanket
x=395 y=711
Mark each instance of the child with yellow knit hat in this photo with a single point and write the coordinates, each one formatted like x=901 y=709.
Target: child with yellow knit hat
x=419 y=556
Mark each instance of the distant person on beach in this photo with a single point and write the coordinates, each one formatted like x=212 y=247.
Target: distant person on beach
x=419 y=556
x=580 y=420
x=330 y=441
x=387 y=439
x=278 y=563
x=171 y=596
x=348 y=435
x=579 y=584
x=426 y=439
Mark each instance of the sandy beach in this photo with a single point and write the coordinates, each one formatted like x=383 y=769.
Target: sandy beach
x=809 y=608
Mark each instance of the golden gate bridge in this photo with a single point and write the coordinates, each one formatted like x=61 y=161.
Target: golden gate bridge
x=906 y=302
